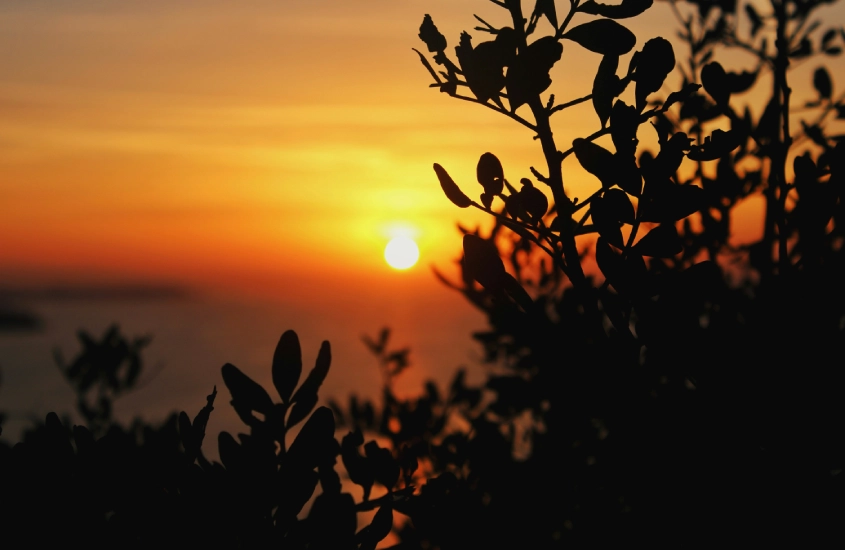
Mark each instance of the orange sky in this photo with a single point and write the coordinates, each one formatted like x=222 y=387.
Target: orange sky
x=225 y=144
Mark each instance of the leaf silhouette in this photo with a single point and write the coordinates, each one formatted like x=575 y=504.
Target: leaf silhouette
x=247 y=395
x=515 y=291
x=698 y=107
x=287 y=365
x=482 y=262
x=716 y=145
x=754 y=18
x=670 y=202
x=681 y=95
x=804 y=49
x=670 y=157
x=305 y=397
x=385 y=467
x=628 y=175
x=610 y=263
x=547 y=8
x=357 y=466
x=822 y=83
x=378 y=529
x=654 y=62
x=606 y=221
x=529 y=204
x=624 y=121
x=535 y=202
x=605 y=87
x=429 y=34
x=450 y=188
x=767 y=127
x=490 y=174
x=827 y=38
x=662 y=242
x=628 y=8
x=297 y=486
x=596 y=160
x=483 y=66
x=619 y=205
x=740 y=82
x=603 y=36
x=529 y=74
x=314 y=441
x=714 y=80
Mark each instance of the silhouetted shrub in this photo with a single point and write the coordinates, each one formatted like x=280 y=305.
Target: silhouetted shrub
x=152 y=486
x=688 y=389
x=684 y=392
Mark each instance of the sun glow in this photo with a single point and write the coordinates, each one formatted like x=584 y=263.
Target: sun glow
x=401 y=253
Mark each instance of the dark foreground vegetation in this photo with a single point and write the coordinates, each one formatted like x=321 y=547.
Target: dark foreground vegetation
x=686 y=392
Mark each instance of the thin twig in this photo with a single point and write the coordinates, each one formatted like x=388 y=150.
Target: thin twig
x=644 y=117
x=572 y=10
x=569 y=104
x=510 y=221
x=585 y=202
x=498 y=110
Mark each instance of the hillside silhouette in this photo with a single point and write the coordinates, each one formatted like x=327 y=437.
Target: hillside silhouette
x=685 y=392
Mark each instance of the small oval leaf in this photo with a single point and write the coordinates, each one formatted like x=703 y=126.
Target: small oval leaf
x=715 y=82
x=605 y=221
x=822 y=83
x=287 y=364
x=661 y=242
x=596 y=160
x=656 y=61
x=603 y=36
x=482 y=263
x=451 y=189
x=490 y=173
x=670 y=202
x=619 y=205
x=519 y=295
x=605 y=87
x=247 y=395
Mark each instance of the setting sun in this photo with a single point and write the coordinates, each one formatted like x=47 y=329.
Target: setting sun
x=401 y=253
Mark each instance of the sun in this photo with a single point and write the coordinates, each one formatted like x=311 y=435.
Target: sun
x=401 y=253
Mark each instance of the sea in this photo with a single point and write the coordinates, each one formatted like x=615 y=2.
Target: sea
x=194 y=333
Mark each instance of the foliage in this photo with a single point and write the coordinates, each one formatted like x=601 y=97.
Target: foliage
x=102 y=372
x=689 y=388
x=682 y=391
x=149 y=485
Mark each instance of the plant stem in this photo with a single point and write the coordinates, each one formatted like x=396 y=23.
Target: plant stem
x=498 y=110
x=777 y=175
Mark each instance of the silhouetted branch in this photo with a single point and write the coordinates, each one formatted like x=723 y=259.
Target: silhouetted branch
x=569 y=104
x=498 y=110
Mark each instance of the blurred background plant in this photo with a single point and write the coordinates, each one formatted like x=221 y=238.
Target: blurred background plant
x=101 y=372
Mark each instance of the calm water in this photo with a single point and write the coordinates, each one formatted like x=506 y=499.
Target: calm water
x=194 y=337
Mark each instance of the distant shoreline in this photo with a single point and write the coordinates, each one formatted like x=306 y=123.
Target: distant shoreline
x=105 y=292
x=18 y=321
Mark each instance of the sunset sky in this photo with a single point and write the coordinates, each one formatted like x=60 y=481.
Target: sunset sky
x=243 y=144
